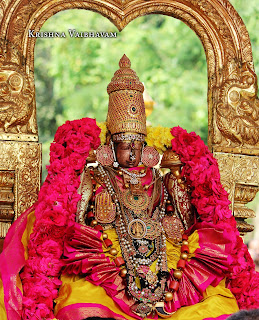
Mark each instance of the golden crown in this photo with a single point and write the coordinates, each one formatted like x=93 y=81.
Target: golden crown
x=126 y=111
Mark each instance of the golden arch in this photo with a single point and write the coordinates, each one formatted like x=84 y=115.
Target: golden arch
x=232 y=91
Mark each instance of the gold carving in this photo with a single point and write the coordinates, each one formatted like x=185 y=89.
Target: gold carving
x=237 y=169
x=243 y=195
x=236 y=121
x=240 y=177
x=6 y=197
x=7 y=180
x=20 y=168
x=16 y=98
x=4 y=227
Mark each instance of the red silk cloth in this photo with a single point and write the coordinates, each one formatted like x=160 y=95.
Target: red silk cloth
x=210 y=264
x=83 y=255
x=208 y=267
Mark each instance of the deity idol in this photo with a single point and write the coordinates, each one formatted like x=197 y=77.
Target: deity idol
x=119 y=240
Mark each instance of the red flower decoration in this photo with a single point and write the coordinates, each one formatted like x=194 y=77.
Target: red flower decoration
x=212 y=204
x=55 y=211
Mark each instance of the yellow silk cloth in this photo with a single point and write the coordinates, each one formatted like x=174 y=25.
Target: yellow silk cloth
x=2 y=307
x=217 y=300
x=75 y=289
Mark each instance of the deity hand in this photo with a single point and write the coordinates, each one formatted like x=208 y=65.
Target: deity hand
x=172 y=161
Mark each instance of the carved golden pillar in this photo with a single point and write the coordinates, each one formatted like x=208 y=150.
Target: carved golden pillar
x=20 y=152
x=240 y=177
x=7 y=190
x=20 y=170
x=243 y=195
x=235 y=140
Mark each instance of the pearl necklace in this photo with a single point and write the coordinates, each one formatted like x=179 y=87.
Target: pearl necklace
x=134 y=176
x=155 y=290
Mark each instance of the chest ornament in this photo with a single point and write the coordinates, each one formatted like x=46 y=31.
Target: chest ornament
x=105 y=210
x=173 y=227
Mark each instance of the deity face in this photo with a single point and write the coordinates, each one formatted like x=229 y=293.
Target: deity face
x=128 y=153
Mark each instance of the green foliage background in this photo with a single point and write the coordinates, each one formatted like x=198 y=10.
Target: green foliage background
x=71 y=74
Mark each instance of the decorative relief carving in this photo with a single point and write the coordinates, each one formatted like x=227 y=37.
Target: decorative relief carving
x=10 y=54
x=240 y=32
x=7 y=180
x=236 y=116
x=20 y=161
x=243 y=195
x=240 y=177
x=215 y=13
x=237 y=169
x=16 y=97
x=3 y=5
x=4 y=227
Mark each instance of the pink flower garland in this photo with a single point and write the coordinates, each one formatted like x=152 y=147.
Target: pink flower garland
x=211 y=201
x=57 y=204
x=55 y=212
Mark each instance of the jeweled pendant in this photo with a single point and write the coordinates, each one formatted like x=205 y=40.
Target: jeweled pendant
x=143 y=309
x=137 y=229
x=134 y=180
x=116 y=164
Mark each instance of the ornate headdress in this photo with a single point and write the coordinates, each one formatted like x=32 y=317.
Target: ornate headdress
x=126 y=118
x=126 y=112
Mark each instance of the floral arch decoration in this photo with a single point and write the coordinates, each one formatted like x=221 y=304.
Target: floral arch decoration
x=233 y=116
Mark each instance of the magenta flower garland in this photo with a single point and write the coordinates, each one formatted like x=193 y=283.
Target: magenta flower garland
x=57 y=204
x=55 y=212
x=211 y=201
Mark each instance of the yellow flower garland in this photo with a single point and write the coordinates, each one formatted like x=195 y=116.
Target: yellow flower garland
x=103 y=127
x=157 y=137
